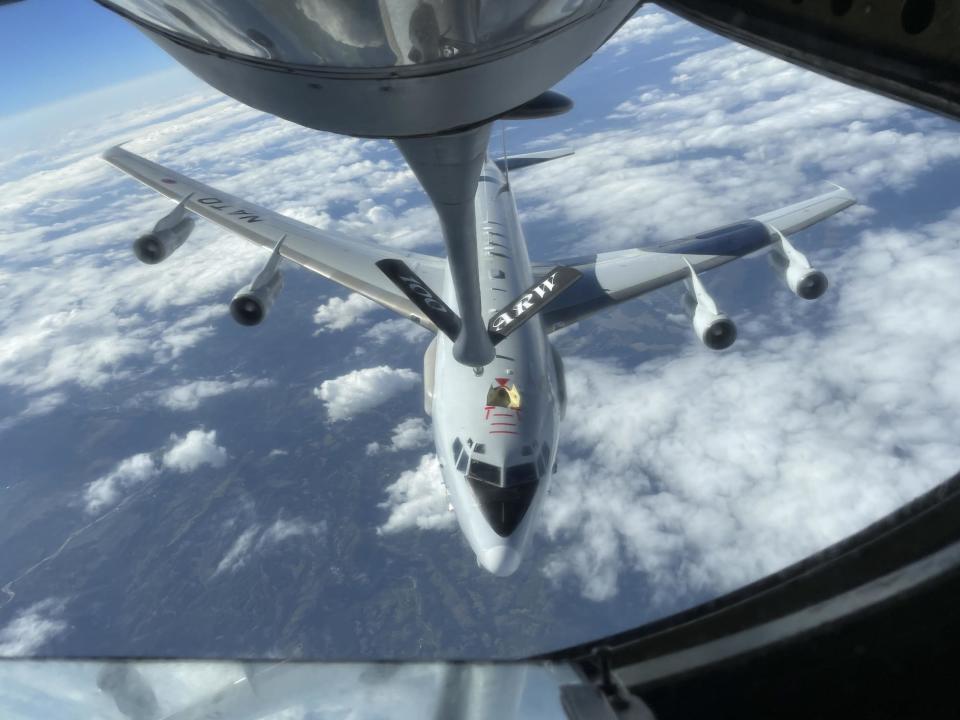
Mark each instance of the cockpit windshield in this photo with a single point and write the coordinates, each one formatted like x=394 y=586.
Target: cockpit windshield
x=484 y=472
x=520 y=474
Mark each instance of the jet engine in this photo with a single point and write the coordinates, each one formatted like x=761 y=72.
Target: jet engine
x=795 y=271
x=168 y=234
x=714 y=329
x=252 y=302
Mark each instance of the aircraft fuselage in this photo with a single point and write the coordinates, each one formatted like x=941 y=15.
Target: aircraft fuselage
x=496 y=428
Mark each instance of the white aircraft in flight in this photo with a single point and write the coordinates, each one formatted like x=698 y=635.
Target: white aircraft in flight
x=497 y=425
x=432 y=76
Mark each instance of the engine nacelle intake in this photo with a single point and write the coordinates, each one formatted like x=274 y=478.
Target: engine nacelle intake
x=158 y=245
x=168 y=234
x=715 y=329
x=252 y=303
x=794 y=269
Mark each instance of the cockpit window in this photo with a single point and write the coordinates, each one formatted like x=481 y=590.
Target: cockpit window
x=520 y=474
x=485 y=472
x=457 y=447
x=480 y=448
x=462 y=462
x=503 y=395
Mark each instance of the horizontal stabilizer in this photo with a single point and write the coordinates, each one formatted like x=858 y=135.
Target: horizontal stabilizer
x=531 y=301
x=420 y=294
x=516 y=162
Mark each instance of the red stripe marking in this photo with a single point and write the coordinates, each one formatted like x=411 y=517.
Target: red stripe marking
x=502 y=415
x=510 y=424
x=503 y=432
x=502 y=381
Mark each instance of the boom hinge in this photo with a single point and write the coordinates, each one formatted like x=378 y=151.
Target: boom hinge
x=601 y=696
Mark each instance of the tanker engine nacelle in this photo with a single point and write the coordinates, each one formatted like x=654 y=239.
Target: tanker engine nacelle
x=252 y=302
x=168 y=234
x=714 y=329
x=795 y=271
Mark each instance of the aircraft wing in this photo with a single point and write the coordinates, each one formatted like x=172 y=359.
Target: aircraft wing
x=347 y=261
x=613 y=277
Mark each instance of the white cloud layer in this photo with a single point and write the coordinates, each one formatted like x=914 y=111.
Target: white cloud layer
x=340 y=313
x=188 y=396
x=417 y=499
x=247 y=542
x=239 y=551
x=706 y=471
x=363 y=390
x=735 y=133
x=106 y=490
x=193 y=450
x=409 y=434
x=79 y=310
x=642 y=29
x=396 y=329
x=183 y=454
x=31 y=628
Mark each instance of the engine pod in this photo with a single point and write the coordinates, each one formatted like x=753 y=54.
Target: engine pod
x=157 y=246
x=251 y=304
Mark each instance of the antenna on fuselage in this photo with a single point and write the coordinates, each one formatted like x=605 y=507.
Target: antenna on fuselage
x=503 y=147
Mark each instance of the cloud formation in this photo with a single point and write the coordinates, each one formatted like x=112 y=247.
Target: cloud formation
x=70 y=218
x=32 y=628
x=252 y=541
x=705 y=471
x=734 y=133
x=193 y=450
x=106 y=490
x=417 y=499
x=396 y=329
x=183 y=454
x=407 y=435
x=188 y=396
x=363 y=390
x=239 y=551
x=642 y=29
x=340 y=313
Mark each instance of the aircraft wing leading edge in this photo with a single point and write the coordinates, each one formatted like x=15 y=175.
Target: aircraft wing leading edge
x=347 y=261
x=614 y=277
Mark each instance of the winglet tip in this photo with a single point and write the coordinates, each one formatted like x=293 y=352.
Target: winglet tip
x=113 y=149
x=850 y=196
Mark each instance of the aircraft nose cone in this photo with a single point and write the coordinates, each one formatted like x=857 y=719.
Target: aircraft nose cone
x=500 y=560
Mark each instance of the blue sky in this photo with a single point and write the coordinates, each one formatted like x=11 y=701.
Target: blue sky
x=62 y=48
